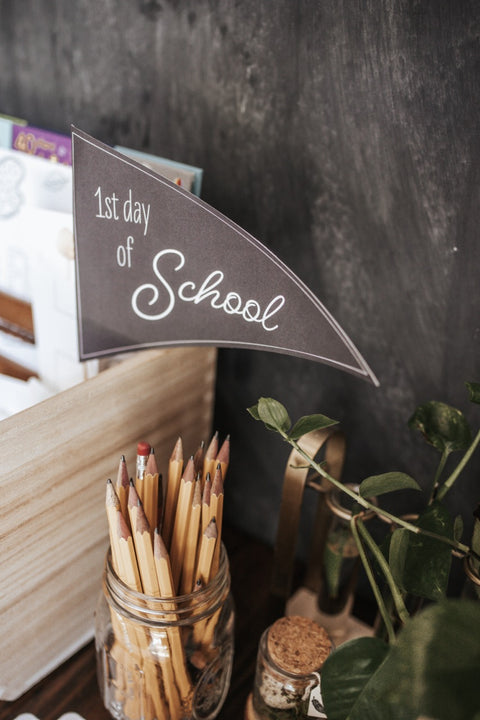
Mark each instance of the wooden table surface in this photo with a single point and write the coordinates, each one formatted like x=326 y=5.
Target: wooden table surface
x=73 y=686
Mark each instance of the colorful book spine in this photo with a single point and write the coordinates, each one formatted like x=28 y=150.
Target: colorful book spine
x=43 y=143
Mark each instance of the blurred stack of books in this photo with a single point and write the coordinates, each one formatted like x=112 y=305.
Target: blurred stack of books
x=38 y=315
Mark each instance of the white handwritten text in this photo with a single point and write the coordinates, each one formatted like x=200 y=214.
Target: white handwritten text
x=230 y=302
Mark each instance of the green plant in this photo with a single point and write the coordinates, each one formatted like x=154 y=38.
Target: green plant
x=430 y=663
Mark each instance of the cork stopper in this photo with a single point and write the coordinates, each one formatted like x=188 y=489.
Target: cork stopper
x=298 y=645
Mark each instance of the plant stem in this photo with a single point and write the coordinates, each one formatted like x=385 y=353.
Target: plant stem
x=460 y=547
x=371 y=578
x=451 y=479
x=436 y=481
x=402 y=611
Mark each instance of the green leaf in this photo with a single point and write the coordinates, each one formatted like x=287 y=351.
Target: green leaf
x=427 y=561
x=474 y=391
x=310 y=422
x=388 y=482
x=347 y=671
x=272 y=413
x=432 y=670
x=253 y=410
x=443 y=426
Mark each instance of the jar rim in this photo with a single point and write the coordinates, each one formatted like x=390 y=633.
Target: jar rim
x=162 y=611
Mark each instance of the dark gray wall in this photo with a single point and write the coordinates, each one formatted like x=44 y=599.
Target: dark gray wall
x=344 y=135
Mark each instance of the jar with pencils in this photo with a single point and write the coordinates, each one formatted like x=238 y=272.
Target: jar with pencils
x=164 y=620
x=164 y=658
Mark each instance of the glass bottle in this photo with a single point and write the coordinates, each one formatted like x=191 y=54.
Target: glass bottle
x=164 y=658
x=291 y=653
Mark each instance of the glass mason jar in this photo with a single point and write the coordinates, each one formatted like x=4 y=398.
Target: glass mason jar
x=164 y=659
x=290 y=656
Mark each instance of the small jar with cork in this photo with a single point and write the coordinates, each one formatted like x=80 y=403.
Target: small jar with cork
x=287 y=686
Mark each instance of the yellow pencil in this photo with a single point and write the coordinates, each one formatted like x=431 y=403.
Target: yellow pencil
x=143 y=451
x=191 y=543
x=150 y=491
x=206 y=499
x=132 y=505
x=175 y=468
x=182 y=516
x=128 y=562
x=207 y=550
x=144 y=552
x=198 y=458
x=216 y=511
x=122 y=486
x=223 y=456
x=167 y=590
x=209 y=459
x=112 y=506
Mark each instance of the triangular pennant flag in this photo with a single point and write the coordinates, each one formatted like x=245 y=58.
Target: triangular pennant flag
x=157 y=266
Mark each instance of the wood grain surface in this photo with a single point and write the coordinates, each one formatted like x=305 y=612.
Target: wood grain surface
x=56 y=458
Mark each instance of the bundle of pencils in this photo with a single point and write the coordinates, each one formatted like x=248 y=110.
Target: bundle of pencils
x=165 y=542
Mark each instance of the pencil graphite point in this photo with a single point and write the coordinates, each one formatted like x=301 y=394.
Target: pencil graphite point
x=207 y=490
x=217 y=484
x=122 y=475
x=189 y=474
x=211 y=530
x=197 y=492
x=151 y=467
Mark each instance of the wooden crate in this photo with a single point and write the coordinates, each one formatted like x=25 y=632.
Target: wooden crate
x=55 y=459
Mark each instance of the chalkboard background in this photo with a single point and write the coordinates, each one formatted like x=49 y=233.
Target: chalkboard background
x=344 y=136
